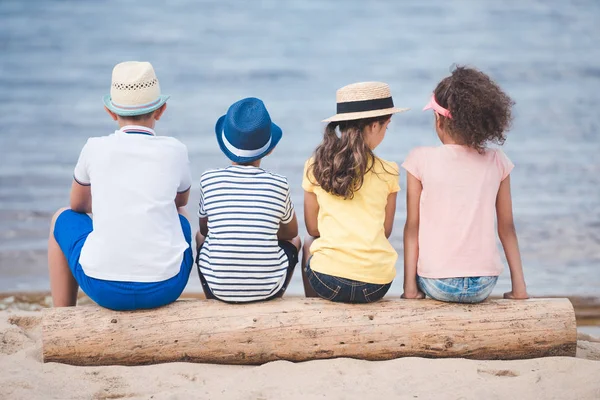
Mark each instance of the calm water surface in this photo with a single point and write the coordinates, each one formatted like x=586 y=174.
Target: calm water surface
x=56 y=58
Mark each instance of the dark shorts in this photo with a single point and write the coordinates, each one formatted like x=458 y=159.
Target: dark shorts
x=344 y=290
x=72 y=229
x=292 y=255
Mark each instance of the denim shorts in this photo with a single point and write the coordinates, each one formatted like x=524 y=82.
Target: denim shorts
x=458 y=290
x=344 y=290
x=72 y=229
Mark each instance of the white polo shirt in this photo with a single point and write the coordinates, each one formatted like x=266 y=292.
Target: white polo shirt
x=134 y=177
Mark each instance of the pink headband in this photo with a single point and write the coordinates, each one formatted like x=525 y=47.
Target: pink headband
x=433 y=105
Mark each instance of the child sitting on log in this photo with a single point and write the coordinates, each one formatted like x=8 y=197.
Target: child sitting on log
x=350 y=201
x=135 y=252
x=248 y=241
x=456 y=191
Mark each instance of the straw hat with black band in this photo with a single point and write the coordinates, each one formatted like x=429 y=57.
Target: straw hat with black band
x=364 y=100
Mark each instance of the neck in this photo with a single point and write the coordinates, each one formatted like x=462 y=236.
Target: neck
x=145 y=123
x=446 y=138
x=255 y=163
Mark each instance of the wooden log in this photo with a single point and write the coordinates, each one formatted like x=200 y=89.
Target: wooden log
x=299 y=329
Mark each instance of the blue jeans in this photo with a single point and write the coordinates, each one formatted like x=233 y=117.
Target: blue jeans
x=343 y=290
x=458 y=290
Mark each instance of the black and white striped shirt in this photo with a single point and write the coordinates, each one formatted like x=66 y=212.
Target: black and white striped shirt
x=241 y=259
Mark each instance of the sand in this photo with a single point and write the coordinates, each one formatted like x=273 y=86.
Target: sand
x=24 y=376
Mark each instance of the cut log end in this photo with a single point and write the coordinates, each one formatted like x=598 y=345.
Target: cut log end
x=298 y=329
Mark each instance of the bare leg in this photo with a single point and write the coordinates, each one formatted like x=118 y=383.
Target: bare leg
x=308 y=290
x=63 y=285
x=296 y=242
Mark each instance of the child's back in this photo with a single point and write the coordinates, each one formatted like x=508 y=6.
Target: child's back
x=248 y=239
x=137 y=235
x=457 y=192
x=122 y=240
x=352 y=242
x=241 y=258
x=350 y=200
x=457 y=226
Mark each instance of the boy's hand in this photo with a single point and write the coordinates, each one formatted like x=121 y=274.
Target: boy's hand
x=413 y=294
x=516 y=295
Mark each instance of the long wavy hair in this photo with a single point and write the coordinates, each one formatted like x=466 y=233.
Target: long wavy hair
x=343 y=157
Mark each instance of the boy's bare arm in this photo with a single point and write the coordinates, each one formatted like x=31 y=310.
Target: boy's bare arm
x=182 y=198
x=81 y=198
x=288 y=231
x=510 y=243
x=203 y=223
x=411 y=238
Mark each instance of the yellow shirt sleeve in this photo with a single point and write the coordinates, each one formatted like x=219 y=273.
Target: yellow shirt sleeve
x=393 y=176
x=307 y=177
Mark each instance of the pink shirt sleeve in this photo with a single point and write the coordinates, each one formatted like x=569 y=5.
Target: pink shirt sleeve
x=504 y=164
x=413 y=163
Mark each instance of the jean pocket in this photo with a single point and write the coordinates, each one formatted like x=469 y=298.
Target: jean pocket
x=375 y=292
x=323 y=287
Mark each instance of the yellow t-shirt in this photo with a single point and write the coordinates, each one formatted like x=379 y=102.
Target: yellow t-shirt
x=353 y=243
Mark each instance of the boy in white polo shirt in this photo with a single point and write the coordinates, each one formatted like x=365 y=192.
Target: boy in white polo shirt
x=135 y=252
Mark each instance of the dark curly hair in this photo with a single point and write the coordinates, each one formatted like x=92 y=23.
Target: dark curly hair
x=340 y=163
x=480 y=110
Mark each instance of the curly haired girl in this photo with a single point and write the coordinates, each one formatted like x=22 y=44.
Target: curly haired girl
x=456 y=191
x=350 y=201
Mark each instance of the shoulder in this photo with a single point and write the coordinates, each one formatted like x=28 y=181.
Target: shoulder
x=212 y=173
x=419 y=154
x=424 y=151
x=415 y=161
x=308 y=164
x=277 y=177
x=386 y=166
x=172 y=142
x=497 y=155
x=99 y=140
x=496 y=152
x=97 y=143
x=277 y=182
x=503 y=163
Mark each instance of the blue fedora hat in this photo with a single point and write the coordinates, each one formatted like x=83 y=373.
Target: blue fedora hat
x=246 y=133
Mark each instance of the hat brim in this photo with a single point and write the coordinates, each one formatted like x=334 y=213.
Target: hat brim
x=276 y=134
x=365 y=114
x=135 y=110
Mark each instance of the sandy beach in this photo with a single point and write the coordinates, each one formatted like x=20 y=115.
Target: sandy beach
x=26 y=377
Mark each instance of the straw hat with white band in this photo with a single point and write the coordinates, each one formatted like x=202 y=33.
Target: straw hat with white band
x=134 y=90
x=364 y=100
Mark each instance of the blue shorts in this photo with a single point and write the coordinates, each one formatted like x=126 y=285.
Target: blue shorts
x=473 y=289
x=72 y=229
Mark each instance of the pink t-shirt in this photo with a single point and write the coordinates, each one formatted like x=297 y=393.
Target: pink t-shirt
x=457 y=235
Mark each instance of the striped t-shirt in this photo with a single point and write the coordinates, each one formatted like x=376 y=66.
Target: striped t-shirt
x=241 y=259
